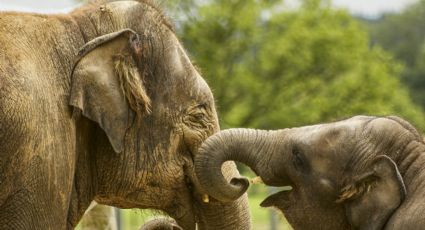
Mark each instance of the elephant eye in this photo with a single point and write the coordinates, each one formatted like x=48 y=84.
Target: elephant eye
x=199 y=116
x=202 y=106
x=297 y=159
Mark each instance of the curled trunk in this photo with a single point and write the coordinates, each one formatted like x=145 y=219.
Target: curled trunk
x=249 y=146
x=228 y=215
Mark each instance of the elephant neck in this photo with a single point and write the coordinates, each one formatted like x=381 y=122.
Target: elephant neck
x=410 y=162
x=79 y=203
x=85 y=177
x=411 y=167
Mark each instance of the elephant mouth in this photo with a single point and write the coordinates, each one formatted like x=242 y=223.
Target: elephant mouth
x=192 y=195
x=281 y=199
x=190 y=176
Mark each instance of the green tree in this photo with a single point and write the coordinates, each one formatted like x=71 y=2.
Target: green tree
x=403 y=34
x=271 y=68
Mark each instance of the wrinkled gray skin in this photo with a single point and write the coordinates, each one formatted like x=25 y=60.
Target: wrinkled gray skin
x=117 y=121
x=360 y=173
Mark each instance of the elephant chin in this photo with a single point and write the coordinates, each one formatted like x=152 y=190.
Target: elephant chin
x=184 y=214
x=184 y=220
x=184 y=225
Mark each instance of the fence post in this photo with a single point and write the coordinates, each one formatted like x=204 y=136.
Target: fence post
x=272 y=213
x=118 y=218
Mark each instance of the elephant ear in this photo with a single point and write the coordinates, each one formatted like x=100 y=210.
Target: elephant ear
x=371 y=198
x=107 y=86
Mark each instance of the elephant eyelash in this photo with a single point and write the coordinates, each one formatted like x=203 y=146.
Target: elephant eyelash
x=298 y=162
x=199 y=108
x=197 y=120
x=199 y=116
x=297 y=159
x=296 y=151
x=202 y=106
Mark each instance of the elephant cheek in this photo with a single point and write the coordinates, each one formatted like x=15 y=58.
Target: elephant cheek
x=304 y=212
x=192 y=138
x=288 y=208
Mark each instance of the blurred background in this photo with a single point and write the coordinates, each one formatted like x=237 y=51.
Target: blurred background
x=275 y=64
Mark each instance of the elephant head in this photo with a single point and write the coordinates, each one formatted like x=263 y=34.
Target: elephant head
x=149 y=111
x=349 y=174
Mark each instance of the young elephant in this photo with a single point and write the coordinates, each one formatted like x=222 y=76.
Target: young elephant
x=360 y=173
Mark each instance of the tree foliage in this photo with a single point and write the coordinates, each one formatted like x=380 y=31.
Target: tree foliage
x=270 y=67
x=403 y=34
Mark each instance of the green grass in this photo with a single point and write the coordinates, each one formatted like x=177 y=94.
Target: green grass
x=133 y=219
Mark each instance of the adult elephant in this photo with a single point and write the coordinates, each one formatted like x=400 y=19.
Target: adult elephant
x=117 y=121
x=360 y=173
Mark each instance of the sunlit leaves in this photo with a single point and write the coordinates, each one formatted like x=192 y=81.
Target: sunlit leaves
x=270 y=67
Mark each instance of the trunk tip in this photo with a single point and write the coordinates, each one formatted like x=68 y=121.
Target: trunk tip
x=242 y=184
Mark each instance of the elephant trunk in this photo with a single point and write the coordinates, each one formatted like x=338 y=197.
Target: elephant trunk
x=242 y=145
x=225 y=215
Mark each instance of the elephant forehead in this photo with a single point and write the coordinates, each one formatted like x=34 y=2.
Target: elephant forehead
x=201 y=90
x=178 y=59
x=330 y=130
x=195 y=86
